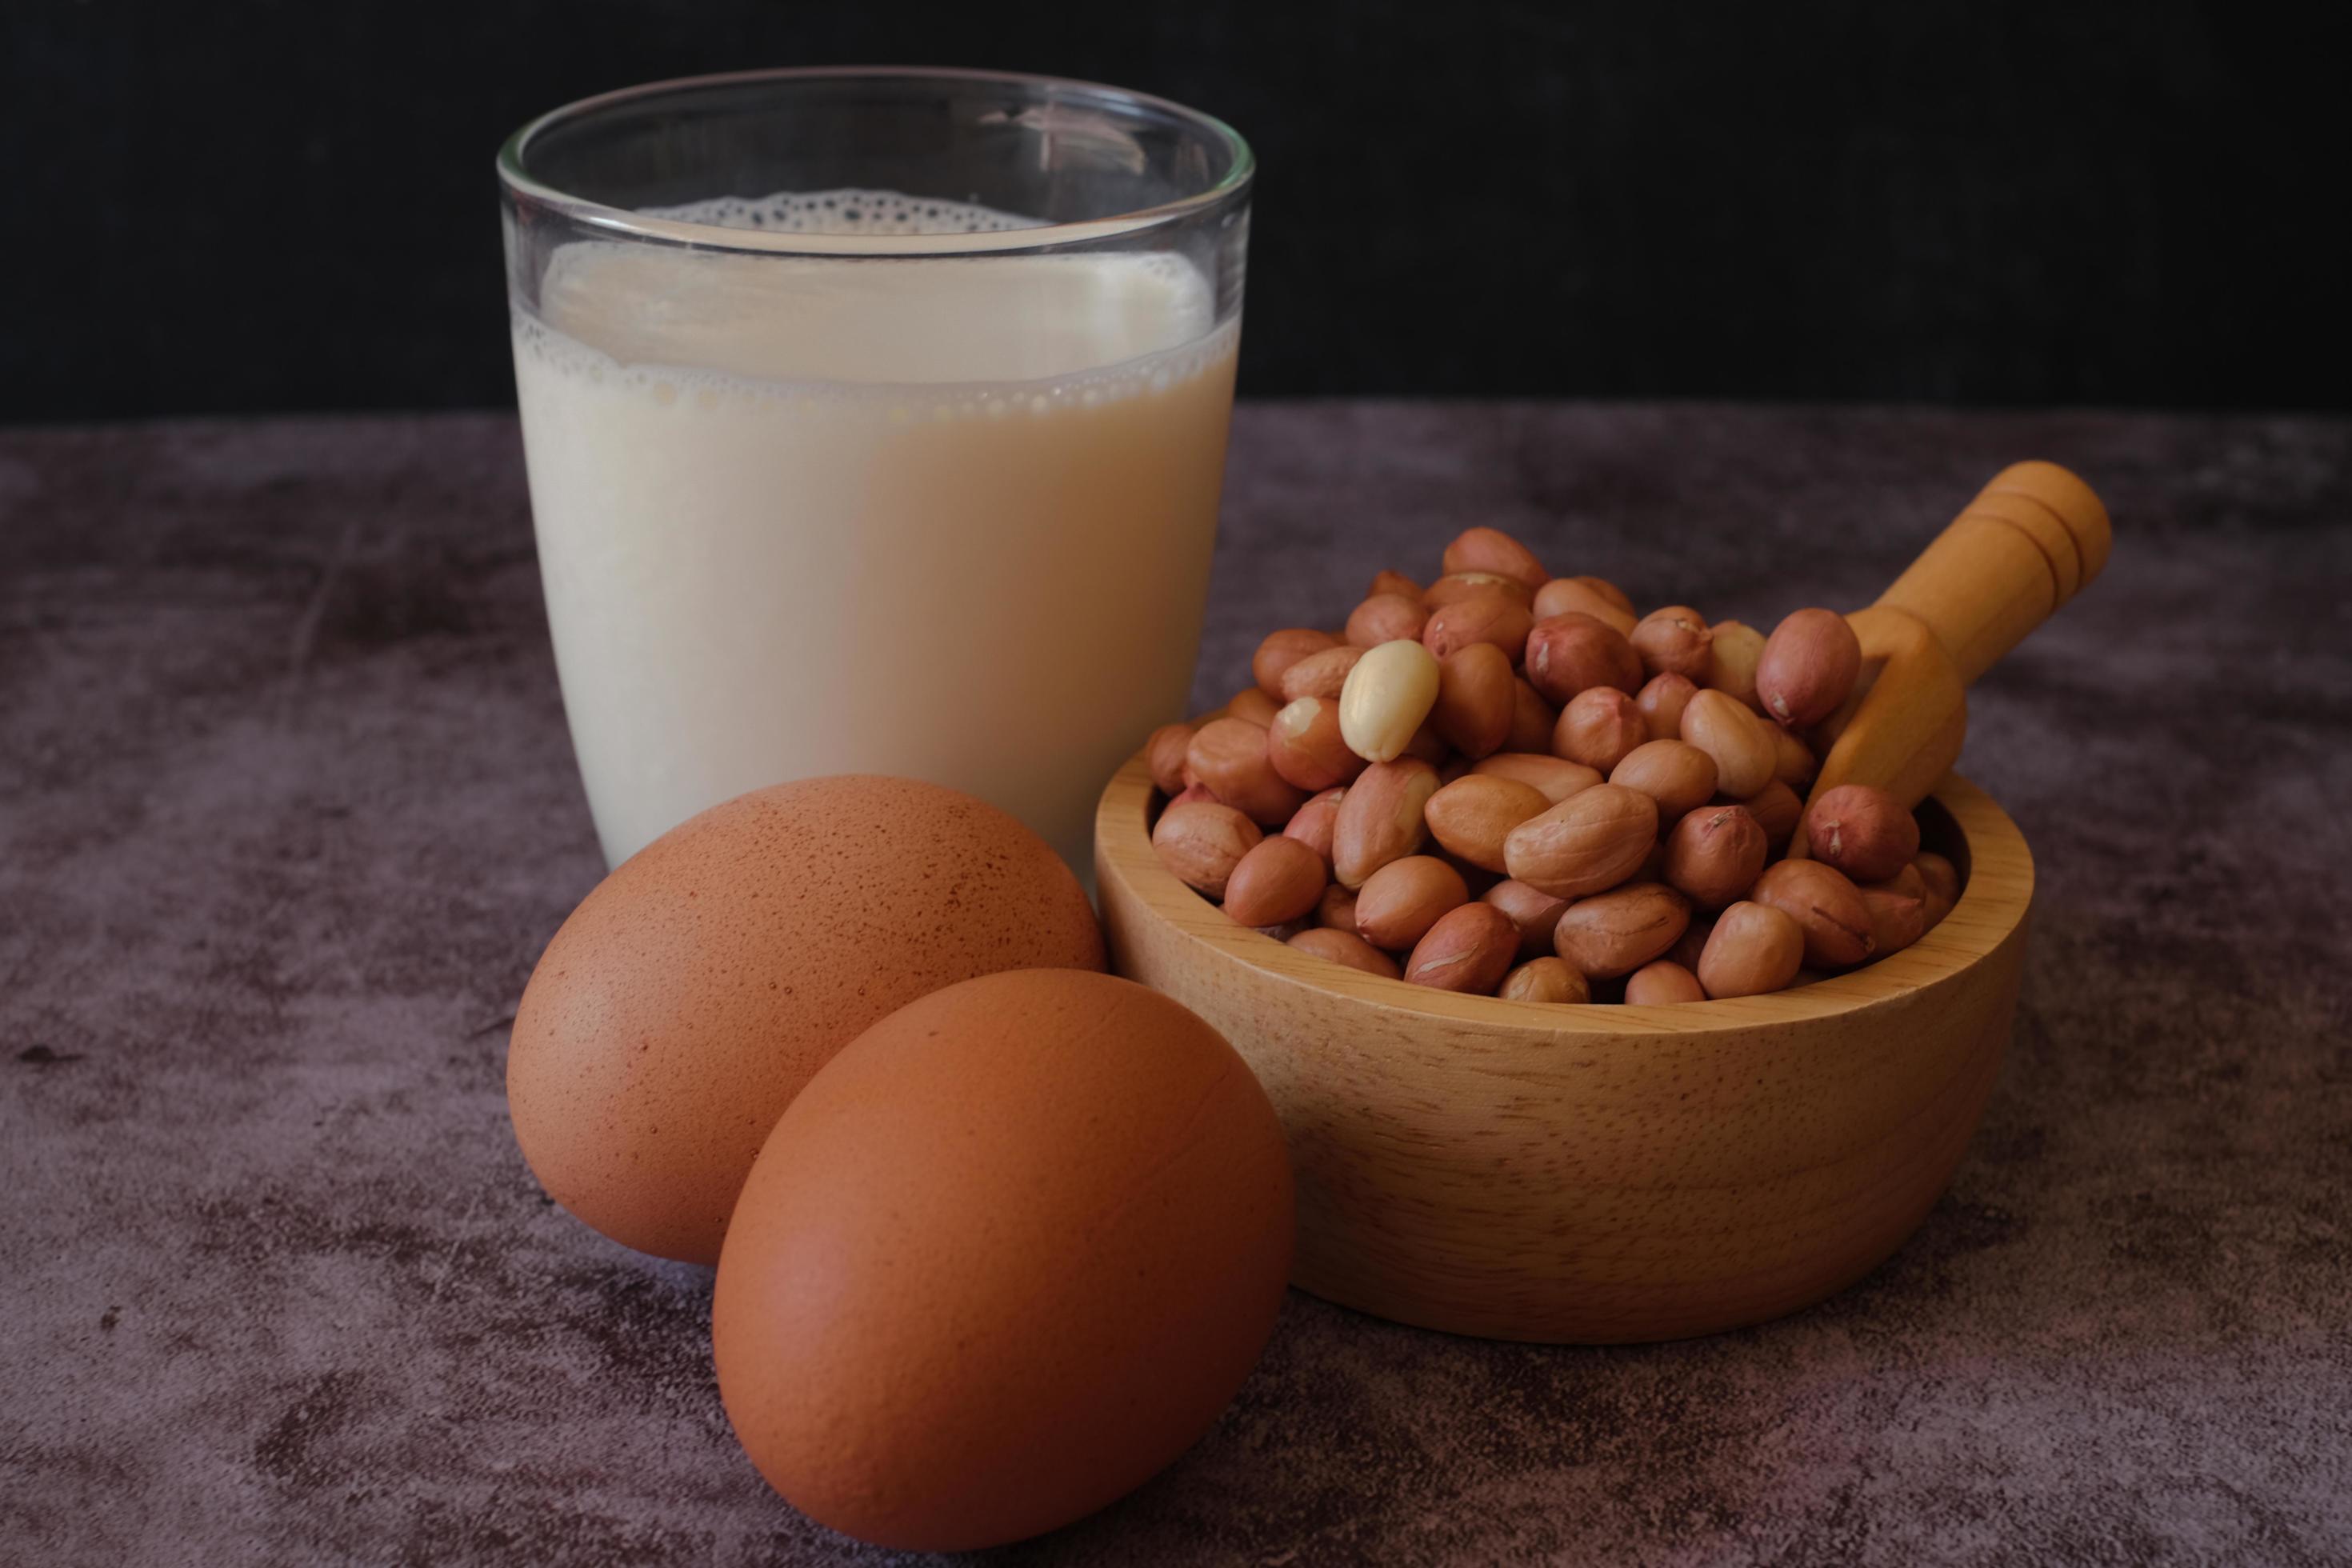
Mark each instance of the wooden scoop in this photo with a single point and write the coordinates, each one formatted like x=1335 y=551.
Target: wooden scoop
x=2031 y=539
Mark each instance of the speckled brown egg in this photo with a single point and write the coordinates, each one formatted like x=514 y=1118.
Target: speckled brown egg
x=1003 y=1259
x=692 y=994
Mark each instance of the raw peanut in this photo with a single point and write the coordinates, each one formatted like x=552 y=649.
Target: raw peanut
x=1488 y=618
x=1387 y=696
x=1229 y=755
x=1662 y=702
x=1304 y=745
x=1381 y=817
x=1792 y=760
x=1475 y=694
x=1609 y=591
x=1202 y=843
x=1677 y=774
x=1556 y=778
x=1323 y=674
x=1398 y=903
x=1164 y=753
x=1312 y=824
x=1718 y=725
x=1600 y=727
x=1195 y=794
x=1754 y=948
x=1532 y=719
x=1618 y=932
x=1282 y=649
x=1346 y=947
x=1469 y=950
x=1862 y=831
x=1546 y=980
x=1673 y=641
x=1567 y=653
x=1387 y=582
x=1473 y=815
x=1492 y=549
x=1715 y=855
x=1563 y=596
x=1336 y=910
x=1662 y=981
x=1941 y=881
x=1693 y=941
x=1536 y=914
x=1898 y=910
x=1826 y=906
x=1252 y=706
x=1456 y=586
x=1731 y=662
x=1386 y=617
x=1279 y=879
x=1777 y=810
x=1592 y=840
x=1808 y=668
x=1427 y=744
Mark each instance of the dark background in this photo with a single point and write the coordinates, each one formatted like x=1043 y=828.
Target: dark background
x=270 y=207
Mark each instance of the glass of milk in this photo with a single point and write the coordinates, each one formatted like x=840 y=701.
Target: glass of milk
x=875 y=422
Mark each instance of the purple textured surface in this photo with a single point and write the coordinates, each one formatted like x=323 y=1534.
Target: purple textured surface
x=287 y=810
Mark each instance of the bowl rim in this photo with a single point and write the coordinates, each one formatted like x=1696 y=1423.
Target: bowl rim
x=1993 y=907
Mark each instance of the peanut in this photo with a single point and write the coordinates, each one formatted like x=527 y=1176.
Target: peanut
x=1387 y=582
x=1537 y=914
x=1600 y=727
x=1282 y=649
x=1385 y=699
x=1323 y=674
x=1381 y=817
x=1562 y=595
x=1556 y=777
x=1662 y=981
x=1825 y=904
x=1229 y=755
x=1753 y=949
x=1862 y=831
x=1546 y=980
x=1715 y=855
x=1592 y=840
x=1305 y=747
x=1618 y=932
x=1731 y=661
x=1809 y=666
x=1673 y=641
x=1677 y=774
x=1386 y=617
x=1201 y=843
x=1607 y=590
x=1346 y=947
x=1489 y=619
x=1941 y=881
x=1491 y=550
x=1313 y=823
x=1398 y=903
x=1476 y=697
x=1569 y=653
x=1469 y=950
x=1164 y=754
x=1898 y=910
x=1718 y=725
x=1473 y=815
x=1279 y=879
x=1662 y=702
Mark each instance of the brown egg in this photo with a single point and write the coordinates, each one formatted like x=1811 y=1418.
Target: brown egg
x=694 y=991
x=1003 y=1259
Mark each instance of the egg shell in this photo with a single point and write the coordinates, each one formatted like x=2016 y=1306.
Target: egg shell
x=690 y=996
x=1006 y=1258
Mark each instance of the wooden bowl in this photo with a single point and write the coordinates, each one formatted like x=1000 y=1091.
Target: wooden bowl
x=1599 y=1174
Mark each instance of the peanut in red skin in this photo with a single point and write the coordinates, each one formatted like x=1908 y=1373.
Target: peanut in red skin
x=1807 y=668
x=1862 y=831
x=1281 y=649
x=1569 y=653
x=1469 y=950
x=1279 y=881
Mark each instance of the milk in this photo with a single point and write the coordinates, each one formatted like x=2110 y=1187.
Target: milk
x=947 y=517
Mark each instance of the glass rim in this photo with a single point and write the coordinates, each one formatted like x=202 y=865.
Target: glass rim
x=623 y=221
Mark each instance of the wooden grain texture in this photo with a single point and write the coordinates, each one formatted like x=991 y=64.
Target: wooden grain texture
x=1597 y=1172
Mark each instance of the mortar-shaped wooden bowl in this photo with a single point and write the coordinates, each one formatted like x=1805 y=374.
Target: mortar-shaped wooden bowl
x=1597 y=1172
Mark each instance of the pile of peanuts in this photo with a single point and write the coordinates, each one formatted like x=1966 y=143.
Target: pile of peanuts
x=1612 y=798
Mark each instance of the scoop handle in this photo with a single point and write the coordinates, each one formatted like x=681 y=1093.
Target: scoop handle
x=2031 y=540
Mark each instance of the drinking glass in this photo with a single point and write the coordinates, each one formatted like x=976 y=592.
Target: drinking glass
x=875 y=421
